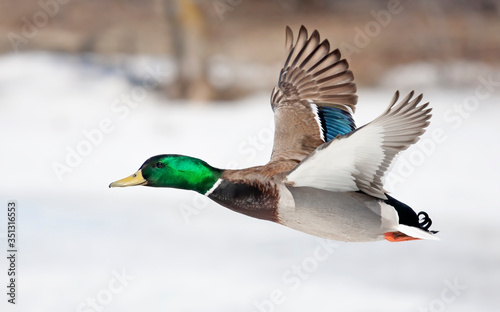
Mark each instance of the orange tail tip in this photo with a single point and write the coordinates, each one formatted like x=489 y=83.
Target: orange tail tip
x=398 y=237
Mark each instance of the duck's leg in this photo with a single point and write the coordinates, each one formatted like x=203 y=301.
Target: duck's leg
x=398 y=237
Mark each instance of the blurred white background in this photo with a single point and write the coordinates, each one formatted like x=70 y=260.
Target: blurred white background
x=74 y=121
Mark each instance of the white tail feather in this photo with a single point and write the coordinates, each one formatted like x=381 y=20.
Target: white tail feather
x=416 y=232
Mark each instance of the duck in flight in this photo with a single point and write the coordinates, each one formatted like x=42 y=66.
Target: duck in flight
x=325 y=175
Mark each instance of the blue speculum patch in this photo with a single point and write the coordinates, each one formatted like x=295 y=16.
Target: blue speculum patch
x=335 y=121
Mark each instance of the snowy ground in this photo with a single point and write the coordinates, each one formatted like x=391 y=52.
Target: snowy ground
x=84 y=247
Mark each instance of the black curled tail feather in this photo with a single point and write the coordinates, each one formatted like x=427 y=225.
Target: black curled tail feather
x=425 y=222
x=408 y=216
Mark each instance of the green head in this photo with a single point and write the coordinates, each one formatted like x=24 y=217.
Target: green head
x=177 y=171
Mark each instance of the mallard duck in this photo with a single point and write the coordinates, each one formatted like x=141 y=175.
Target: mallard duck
x=325 y=175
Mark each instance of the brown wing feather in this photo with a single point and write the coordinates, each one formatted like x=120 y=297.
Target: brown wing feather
x=312 y=75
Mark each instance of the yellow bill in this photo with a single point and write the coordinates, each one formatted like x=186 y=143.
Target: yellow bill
x=135 y=179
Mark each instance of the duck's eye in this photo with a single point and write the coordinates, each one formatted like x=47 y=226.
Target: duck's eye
x=159 y=165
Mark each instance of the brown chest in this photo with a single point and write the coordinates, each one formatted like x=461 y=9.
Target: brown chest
x=258 y=200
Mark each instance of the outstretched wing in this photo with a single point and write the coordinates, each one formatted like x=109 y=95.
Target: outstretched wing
x=359 y=160
x=314 y=98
